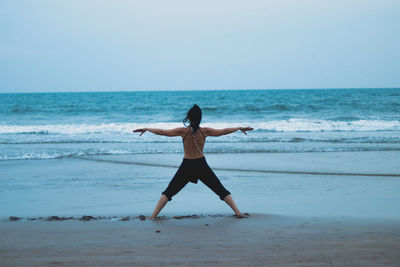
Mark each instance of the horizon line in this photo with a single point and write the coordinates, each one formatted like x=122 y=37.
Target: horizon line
x=195 y=90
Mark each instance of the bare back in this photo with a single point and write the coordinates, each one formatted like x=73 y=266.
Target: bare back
x=189 y=144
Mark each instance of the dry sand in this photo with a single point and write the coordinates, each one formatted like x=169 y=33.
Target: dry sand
x=260 y=240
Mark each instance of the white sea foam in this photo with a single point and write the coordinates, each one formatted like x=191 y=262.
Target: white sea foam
x=291 y=125
x=218 y=149
x=31 y=155
x=309 y=125
x=62 y=154
x=73 y=129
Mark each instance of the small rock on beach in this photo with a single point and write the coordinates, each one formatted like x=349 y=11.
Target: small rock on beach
x=87 y=218
x=14 y=218
x=57 y=218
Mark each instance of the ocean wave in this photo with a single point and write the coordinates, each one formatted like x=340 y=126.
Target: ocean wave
x=345 y=118
x=315 y=125
x=219 y=150
x=261 y=139
x=54 y=109
x=57 y=155
x=289 y=125
x=36 y=132
x=74 y=129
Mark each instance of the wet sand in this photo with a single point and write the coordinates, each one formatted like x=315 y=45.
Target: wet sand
x=323 y=215
x=202 y=240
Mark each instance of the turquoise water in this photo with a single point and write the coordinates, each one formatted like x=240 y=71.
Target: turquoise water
x=54 y=125
x=75 y=153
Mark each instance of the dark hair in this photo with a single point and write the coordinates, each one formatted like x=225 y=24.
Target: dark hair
x=193 y=117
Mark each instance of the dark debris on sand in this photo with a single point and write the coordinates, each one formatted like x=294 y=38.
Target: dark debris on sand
x=194 y=216
x=56 y=218
x=141 y=217
x=34 y=218
x=87 y=218
x=126 y=218
x=14 y=218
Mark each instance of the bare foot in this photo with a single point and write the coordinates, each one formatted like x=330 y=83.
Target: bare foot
x=241 y=215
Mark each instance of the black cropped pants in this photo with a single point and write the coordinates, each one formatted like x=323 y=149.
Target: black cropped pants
x=190 y=171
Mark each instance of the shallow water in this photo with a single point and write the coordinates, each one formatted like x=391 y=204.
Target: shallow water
x=60 y=153
x=117 y=185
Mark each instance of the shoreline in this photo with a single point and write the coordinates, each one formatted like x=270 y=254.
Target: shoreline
x=260 y=240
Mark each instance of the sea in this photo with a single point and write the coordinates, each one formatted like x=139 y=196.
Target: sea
x=327 y=152
x=35 y=126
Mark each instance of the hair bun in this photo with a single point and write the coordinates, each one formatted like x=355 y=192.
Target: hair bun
x=193 y=117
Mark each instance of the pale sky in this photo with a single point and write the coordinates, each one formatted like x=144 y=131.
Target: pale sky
x=115 y=45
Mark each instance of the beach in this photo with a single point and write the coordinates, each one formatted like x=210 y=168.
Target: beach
x=310 y=212
x=320 y=180
x=260 y=240
x=271 y=127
